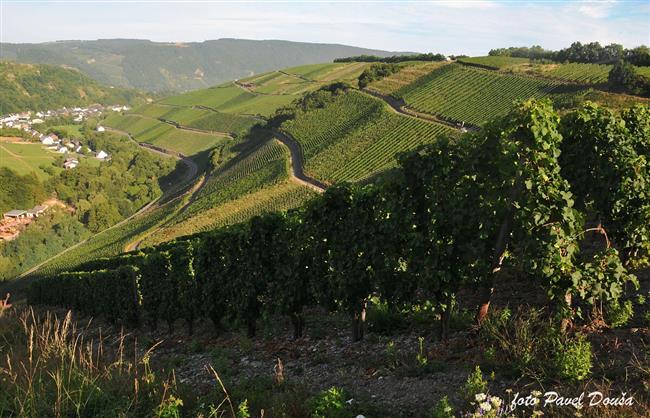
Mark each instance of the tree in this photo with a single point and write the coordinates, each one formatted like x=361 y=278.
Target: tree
x=622 y=76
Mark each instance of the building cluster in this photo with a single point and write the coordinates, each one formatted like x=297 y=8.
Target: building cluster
x=26 y=120
x=29 y=121
x=14 y=221
x=65 y=146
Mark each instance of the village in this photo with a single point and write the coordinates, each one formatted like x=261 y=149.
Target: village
x=29 y=121
x=16 y=220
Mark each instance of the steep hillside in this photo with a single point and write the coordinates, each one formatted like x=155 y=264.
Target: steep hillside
x=42 y=87
x=156 y=66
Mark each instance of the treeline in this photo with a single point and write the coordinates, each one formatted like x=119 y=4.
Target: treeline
x=376 y=72
x=592 y=52
x=394 y=59
x=454 y=215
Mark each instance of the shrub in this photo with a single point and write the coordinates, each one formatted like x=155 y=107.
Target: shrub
x=330 y=404
x=442 y=409
x=619 y=313
x=573 y=358
x=475 y=384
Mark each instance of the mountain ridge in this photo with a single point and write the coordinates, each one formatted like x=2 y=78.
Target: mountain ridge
x=178 y=66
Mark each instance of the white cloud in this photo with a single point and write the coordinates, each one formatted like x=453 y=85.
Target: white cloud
x=596 y=9
x=466 y=26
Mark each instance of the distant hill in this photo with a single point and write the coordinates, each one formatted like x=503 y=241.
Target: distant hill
x=43 y=87
x=156 y=66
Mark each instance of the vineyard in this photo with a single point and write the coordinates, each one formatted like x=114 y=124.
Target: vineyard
x=230 y=98
x=356 y=136
x=110 y=242
x=470 y=95
x=328 y=72
x=246 y=172
x=444 y=210
x=278 y=197
x=581 y=73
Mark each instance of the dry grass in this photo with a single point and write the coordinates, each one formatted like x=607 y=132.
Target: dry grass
x=53 y=367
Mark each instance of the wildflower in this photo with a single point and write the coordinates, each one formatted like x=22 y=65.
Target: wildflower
x=537 y=413
x=480 y=397
x=536 y=393
x=496 y=401
x=486 y=406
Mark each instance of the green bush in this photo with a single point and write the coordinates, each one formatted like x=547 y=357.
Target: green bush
x=619 y=313
x=442 y=409
x=330 y=404
x=573 y=358
x=535 y=347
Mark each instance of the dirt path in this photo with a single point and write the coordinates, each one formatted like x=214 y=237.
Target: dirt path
x=398 y=106
x=297 y=169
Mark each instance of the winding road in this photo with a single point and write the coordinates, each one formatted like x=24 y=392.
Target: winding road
x=399 y=107
x=297 y=168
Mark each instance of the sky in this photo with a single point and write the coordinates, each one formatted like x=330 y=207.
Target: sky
x=469 y=27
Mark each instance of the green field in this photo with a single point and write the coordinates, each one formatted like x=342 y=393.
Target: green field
x=581 y=73
x=472 y=95
x=357 y=136
x=26 y=158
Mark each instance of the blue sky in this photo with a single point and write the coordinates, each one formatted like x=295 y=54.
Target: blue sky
x=468 y=26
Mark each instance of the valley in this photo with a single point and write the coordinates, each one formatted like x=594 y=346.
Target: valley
x=374 y=236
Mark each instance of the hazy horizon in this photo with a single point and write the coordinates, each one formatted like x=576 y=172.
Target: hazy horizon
x=451 y=27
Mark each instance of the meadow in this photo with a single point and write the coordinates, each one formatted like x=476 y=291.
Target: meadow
x=25 y=158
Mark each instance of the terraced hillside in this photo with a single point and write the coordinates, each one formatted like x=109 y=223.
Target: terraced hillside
x=164 y=135
x=255 y=180
x=472 y=95
x=355 y=136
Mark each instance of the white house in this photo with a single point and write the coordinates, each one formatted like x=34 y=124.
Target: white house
x=62 y=150
x=101 y=155
x=47 y=140
x=78 y=149
x=100 y=129
x=70 y=163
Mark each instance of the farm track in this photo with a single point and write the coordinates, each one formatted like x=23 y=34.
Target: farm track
x=398 y=106
x=297 y=168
